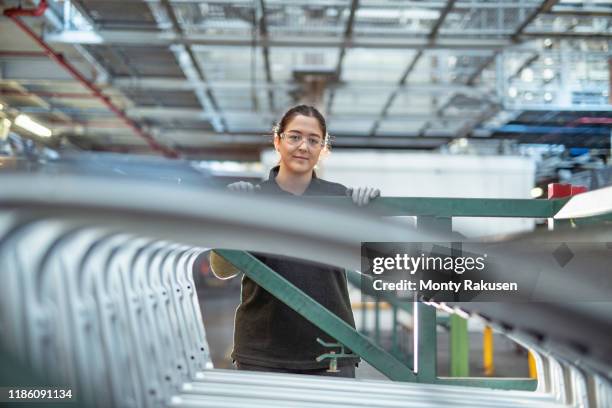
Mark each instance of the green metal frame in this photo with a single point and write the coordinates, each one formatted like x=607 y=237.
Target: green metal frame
x=361 y=345
x=355 y=279
x=427 y=321
x=455 y=207
x=331 y=324
x=433 y=214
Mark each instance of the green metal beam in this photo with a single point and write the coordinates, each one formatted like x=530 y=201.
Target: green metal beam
x=456 y=207
x=331 y=324
x=426 y=347
x=597 y=219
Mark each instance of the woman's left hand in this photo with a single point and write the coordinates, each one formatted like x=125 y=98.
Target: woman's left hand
x=362 y=195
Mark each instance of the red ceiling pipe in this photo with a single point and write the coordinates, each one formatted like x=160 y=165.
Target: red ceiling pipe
x=14 y=15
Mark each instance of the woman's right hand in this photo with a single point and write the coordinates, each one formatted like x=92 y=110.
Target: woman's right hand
x=243 y=187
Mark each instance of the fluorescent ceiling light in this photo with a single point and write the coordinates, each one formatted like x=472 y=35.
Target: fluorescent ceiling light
x=536 y=192
x=548 y=74
x=390 y=14
x=527 y=75
x=24 y=121
x=5 y=126
x=423 y=14
x=76 y=36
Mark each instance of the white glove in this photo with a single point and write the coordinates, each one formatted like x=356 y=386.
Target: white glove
x=362 y=195
x=243 y=187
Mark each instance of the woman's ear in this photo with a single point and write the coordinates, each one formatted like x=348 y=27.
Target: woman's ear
x=276 y=141
x=325 y=152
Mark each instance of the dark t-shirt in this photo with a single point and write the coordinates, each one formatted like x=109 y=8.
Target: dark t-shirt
x=267 y=332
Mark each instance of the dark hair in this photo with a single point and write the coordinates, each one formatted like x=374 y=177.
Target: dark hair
x=304 y=110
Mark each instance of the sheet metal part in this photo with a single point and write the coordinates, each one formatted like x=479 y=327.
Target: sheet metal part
x=107 y=299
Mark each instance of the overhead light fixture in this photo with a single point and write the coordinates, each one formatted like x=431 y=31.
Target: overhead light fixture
x=536 y=192
x=5 y=126
x=548 y=74
x=548 y=96
x=527 y=75
x=25 y=122
x=423 y=14
x=548 y=42
x=85 y=37
x=390 y=14
x=548 y=61
x=512 y=92
x=528 y=96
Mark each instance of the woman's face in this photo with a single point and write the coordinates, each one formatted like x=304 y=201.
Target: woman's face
x=301 y=157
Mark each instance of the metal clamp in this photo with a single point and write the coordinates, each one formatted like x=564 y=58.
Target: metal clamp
x=332 y=355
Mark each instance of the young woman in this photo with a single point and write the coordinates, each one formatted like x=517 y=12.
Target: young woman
x=268 y=335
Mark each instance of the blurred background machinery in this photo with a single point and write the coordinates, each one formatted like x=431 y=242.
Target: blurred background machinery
x=207 y=79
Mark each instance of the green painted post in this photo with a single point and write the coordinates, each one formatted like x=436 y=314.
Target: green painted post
x=312 y=311
x=459 y=347
x=424 y=317
x=425 y=351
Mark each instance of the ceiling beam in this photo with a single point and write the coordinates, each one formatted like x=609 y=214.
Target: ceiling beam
x=394 y=93
x=431 y=38
x=172 y=84
x=159 y=38
x=480 y=68
x=581 y=11
x=568 y=35
x=193 y=71
x=177 y=84
x=265 y=49
x=440 y=21
x=178 y=114
x=348 y=33
x=544 y=7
